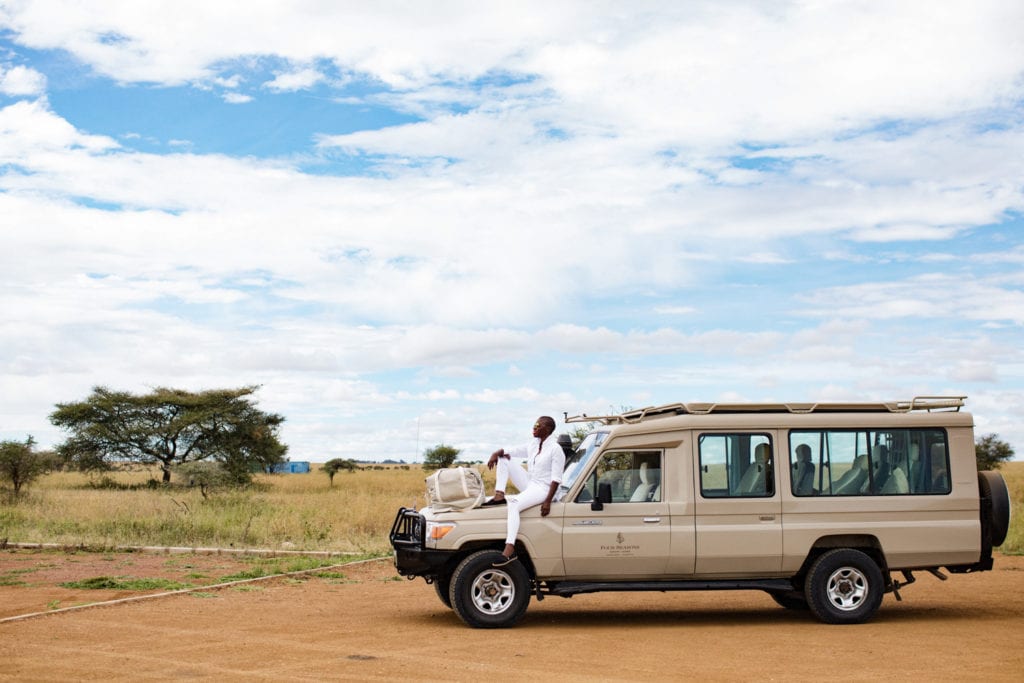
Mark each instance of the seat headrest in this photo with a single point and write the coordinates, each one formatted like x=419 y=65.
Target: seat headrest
x=649 y=474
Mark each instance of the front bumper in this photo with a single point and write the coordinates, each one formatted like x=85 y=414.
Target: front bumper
x=408 y=538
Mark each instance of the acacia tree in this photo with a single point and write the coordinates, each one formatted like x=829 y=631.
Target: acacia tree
x=170 y=427
x=439 y=457
x=335 y=465
x=991 y=452
x=21 y=463
x=206 y=475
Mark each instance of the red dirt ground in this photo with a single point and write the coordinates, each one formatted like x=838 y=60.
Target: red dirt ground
x=370 y=625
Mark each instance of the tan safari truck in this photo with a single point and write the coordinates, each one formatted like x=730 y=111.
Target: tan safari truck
x=824 y=506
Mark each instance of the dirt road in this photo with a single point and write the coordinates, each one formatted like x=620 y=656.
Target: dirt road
x=370 y=625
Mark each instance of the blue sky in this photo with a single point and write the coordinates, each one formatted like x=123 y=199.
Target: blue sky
x=432 y=223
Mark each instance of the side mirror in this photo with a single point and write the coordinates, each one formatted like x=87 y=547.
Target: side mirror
x=604 y=495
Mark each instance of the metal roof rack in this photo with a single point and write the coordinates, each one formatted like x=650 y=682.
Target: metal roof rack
x=926 y=403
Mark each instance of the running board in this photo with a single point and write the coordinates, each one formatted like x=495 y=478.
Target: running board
x=569 y=588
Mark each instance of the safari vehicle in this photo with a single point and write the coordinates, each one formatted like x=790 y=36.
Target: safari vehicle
x=824 y=506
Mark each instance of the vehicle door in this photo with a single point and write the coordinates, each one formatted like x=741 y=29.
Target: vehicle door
x=738 y=504
x=629 y=537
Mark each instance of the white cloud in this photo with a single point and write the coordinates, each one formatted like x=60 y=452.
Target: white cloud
x=704 y=71
x=526 y=394
x=446 y=395
x=30 y=130
x=21 y=81
x=974 y=371
x=929 y=297
x=177 y=42
x=765 y=258
x=231 y=82
x=302 y=79
x=728 y=71
x=570 y=169
x=237 y=98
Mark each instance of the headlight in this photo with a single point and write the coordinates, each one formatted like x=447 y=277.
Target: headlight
x=438 y=530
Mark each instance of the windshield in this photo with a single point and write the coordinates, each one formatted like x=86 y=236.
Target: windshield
x=577 y=464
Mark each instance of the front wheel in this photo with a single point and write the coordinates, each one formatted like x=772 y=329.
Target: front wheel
x=844 y=586
x=489 y=597
x=442 y=586
x=794 y=601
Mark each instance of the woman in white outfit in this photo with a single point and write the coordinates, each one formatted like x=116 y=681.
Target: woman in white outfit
x=537 y=484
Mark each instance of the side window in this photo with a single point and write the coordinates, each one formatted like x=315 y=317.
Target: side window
x=884 y=462
x=632 y=477
x=736 y=465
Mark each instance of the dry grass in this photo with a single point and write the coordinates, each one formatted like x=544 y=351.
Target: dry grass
x=296 y=511
x=1013 y=473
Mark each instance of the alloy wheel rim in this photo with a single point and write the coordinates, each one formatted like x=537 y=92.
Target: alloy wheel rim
x=847 y=588
x=493 y=591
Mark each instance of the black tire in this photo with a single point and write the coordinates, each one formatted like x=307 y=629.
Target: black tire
x=992 y=486
x=489 y=597
x=442 y=584
x=844 y=586
x=793 y=601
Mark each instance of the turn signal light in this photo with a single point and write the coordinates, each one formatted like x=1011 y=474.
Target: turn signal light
x=438 y=531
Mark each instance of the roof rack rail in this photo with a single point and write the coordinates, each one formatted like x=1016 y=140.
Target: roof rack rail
x=926 y=403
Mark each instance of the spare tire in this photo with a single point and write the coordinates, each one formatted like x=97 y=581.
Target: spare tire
x=992 y=486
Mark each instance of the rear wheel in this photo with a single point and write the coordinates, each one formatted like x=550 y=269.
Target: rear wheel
x=844 y=586
x=489 y=597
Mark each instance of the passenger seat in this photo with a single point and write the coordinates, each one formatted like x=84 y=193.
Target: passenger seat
x=754 y=478
x=853 y=478
x=897 y=483
x=650 y=478
x=803 y=471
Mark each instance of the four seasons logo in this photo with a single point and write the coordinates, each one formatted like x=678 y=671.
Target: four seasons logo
x=620 y=547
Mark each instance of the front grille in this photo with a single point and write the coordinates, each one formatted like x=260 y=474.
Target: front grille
x=408 y=529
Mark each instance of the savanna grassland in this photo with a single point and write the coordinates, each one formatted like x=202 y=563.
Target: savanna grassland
x=282 y=511
x=1013 y=473
x=285 y=511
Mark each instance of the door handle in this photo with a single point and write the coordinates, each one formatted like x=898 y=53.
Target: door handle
x=652 y=520
x=767 y=518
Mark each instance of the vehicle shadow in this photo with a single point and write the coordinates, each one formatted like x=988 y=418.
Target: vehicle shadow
x=595 y=618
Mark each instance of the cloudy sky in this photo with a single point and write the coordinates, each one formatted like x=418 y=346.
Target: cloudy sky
x=416 y=223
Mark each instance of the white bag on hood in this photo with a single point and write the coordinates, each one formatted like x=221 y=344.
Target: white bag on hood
x=455 y=488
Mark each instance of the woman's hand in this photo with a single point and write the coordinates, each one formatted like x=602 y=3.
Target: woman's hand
x=500 y=453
